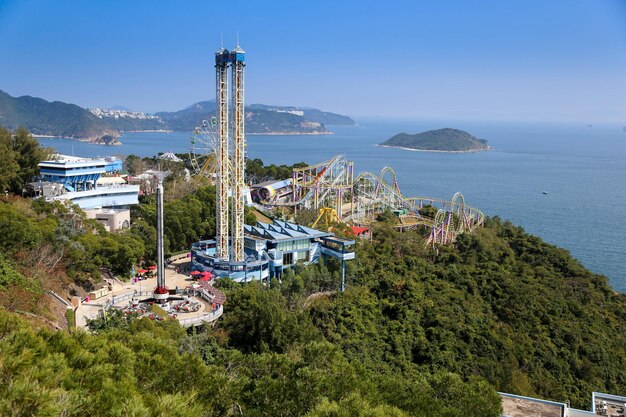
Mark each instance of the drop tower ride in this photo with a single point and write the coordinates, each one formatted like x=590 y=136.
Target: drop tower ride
x=230 y=152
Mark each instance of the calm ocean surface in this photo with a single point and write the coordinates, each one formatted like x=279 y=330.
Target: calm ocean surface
x=583 y=170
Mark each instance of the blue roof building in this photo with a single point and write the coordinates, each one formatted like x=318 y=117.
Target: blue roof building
x=270 y=248
x=78 y=178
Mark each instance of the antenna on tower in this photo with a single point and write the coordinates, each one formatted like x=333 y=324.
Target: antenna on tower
x=237 y=38
x=222 y=40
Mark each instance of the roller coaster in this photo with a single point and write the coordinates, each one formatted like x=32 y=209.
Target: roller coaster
x=359 y=200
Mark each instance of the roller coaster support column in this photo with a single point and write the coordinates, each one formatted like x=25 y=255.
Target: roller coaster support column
x=339 y=203
x=351 y=182
x=293 y=186
x=222 y=171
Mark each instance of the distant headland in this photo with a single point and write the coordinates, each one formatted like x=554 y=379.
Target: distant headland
x=104 y=126
x=439 y=140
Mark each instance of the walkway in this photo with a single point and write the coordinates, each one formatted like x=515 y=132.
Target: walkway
x=122 y=293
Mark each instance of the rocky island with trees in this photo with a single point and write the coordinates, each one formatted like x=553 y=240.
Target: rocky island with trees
x=440 y=140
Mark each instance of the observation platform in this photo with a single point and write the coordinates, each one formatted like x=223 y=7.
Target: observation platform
x=79 y=180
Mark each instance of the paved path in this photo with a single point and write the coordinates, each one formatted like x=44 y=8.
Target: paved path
x=122 y=292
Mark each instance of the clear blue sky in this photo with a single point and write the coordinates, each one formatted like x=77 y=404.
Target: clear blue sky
x=489 y=60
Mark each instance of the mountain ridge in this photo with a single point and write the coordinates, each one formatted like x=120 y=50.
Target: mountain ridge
x=56 y=118
x=260 y=118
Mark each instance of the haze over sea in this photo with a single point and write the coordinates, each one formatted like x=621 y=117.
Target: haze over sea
x=582 y=169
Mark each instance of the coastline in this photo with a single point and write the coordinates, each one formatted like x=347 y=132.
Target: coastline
x=93 y=141
x=290 y=133
x=147 y=131
x=51 y=136
x=433 y=150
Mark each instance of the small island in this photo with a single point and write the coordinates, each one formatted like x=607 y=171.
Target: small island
x=108 y=140
x=439 y=140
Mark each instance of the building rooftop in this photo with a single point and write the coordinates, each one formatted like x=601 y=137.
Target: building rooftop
x=518 y=406
x=303 y=229
x=282 y=231
x=59 y=159
x=609 y=405
x=339 y=240
x=110 y=180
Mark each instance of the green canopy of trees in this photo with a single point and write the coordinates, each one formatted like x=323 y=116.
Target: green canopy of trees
x=54 y=238
x=420 y=331
x=20 y=154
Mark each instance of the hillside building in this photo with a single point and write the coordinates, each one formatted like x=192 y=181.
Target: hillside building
x=606 y=405
x=272 y=248
x=84 y=182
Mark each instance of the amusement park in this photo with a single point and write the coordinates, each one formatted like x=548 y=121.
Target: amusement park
x=334 y=190
x=302 y=224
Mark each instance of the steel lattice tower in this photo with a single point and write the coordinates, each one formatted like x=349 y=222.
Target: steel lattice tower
x=237 y=68
x=222 y=171
x=230 y=167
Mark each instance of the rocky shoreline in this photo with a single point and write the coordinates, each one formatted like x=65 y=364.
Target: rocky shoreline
x=437 y=151
x=103 y=140
x=289 y=133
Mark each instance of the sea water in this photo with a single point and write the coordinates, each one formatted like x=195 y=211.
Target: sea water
x=564 y=183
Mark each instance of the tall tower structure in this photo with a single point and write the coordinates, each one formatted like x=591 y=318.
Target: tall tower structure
x=237 y=66
x=222 y=167
x=161 y=292
x=230 y=163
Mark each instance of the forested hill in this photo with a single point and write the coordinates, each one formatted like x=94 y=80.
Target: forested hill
x=56 y=118
x=51 y=118
x=416 y=334
x=260 y=118
x=310 y=114
x=441 y=140
x=420 y=331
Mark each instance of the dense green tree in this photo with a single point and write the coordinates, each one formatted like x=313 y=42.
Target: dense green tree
x=186 y=220
x=20 y=155
x=18 y=230
x=133 y=165
x=9 y=166
x=257 y=172
x=28 y=154
x=420 y=331
x=354 y=406
x=261 y=321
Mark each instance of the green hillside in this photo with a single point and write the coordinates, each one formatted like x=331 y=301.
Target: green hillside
x=268 y=121
x=312 y=115
x=69 y=120
x=260 y=118
x=418 y=332
x=446 y=140
x=55 y=118
x=189 y=118
x=128 y=124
